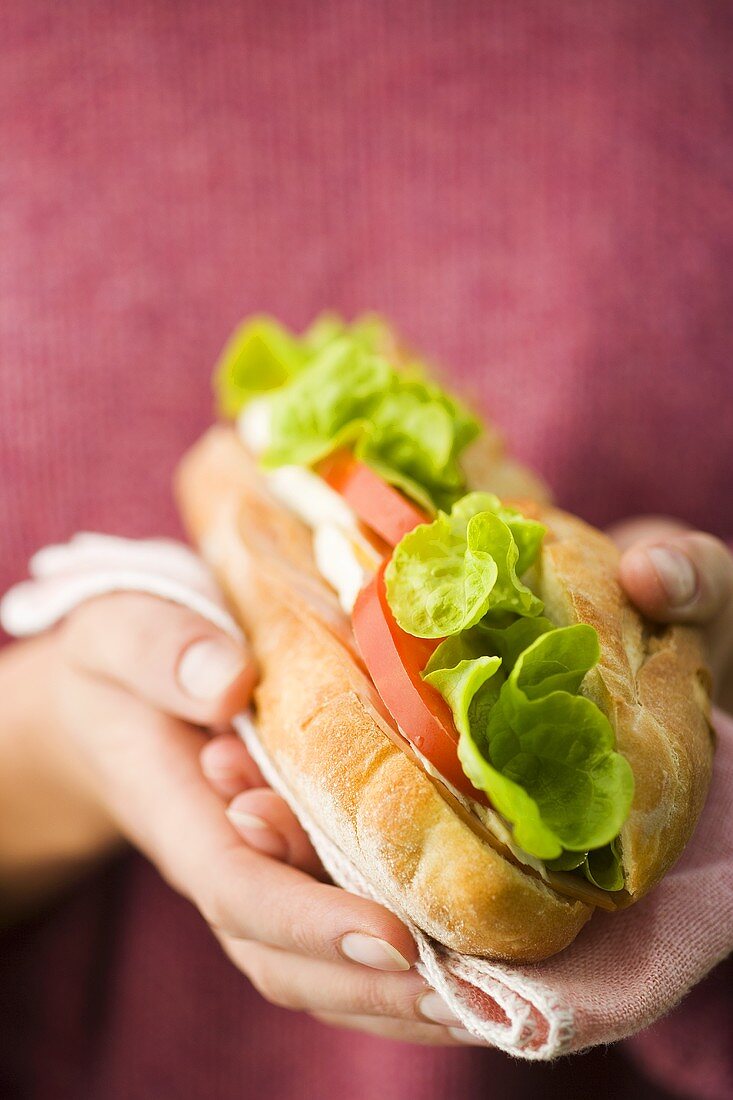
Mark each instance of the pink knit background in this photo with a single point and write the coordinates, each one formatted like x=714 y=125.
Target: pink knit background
x=539 y=194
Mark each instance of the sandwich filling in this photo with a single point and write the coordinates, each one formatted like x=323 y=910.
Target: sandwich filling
x=439 y=583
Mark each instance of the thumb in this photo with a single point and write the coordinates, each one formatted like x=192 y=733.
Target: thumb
x=162 y=653
x=687 y=578
x=682 y=577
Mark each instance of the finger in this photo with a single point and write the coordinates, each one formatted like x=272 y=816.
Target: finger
x=150 y=774
x=311 y=985
x=304 y=984
x=681 y=578
x=172 y=813
x=398 y=1030
x=146 y=768
x=162 y=653
x=228 y=766
x=267 y=823
x=252 y=897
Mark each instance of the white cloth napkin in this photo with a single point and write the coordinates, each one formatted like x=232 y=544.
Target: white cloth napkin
x=624 y=971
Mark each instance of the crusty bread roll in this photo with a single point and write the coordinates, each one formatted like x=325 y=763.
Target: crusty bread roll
x=322 y=724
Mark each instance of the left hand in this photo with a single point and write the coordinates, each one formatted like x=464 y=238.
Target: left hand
x=671 y=573
x=676 y=575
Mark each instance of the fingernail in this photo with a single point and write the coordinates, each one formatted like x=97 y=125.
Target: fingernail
x=371 y=951
x=265 y=838
x=248 y=821
x=207 y=668
x=432 y=1006
x=464 y=1036
x=676 y=572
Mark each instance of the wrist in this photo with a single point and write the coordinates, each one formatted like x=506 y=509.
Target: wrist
x=52 y=825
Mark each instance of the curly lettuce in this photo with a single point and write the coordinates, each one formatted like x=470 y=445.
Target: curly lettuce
x=527 y=533
x=603 y=867
x=316 y=413
x=260 y=356
x=413 y=442
x=335 y=386
x=468 y=679
x=445 y=576
x=562 y=784
x=370 y=331
x=544 y=753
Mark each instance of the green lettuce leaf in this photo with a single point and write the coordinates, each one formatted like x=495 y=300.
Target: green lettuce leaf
x=443 y=577
x=468 y=680
x=603 y=867
x=411 y=442
x=334 y=386
x=326 y=329
x=544 y=754
x=370 y=332
x=546 y=757
x=260 y=356
x=487 y=532
x=527 y=533
x=465 y=425
x=326 y=406
x=438 y=582
x=511 y=639
x=554 y=661
x=567 y=861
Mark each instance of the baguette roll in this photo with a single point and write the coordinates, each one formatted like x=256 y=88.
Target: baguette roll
x=322 y=724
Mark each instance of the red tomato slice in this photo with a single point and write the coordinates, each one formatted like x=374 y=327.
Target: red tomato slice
x=395 y=660
x=379 y=505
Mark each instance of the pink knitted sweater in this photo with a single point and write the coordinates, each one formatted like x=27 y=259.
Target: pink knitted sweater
x=539 y=194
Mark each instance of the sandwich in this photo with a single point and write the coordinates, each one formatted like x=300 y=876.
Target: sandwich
x=452 y=681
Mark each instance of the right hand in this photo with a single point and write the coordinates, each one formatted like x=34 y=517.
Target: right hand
x=130 y=684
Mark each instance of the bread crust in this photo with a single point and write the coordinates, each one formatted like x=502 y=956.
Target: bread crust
x=652 y=683
x=318 y=717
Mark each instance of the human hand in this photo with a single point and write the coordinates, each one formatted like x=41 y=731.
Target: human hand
x=384 y=1005
x=129 y=683
x=677 y=575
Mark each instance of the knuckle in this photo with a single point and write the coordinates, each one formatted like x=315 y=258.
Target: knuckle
x=271 y=985
x=214 y=908
x=714 y=563
x=214 y=902
x=306 y=938
x=710 y=542
x=88 y=619
x=221 y=902
x=374 y=998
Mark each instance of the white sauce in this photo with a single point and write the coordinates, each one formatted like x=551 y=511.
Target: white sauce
x=309 y=497
x=343 y=556
x=337 y=562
